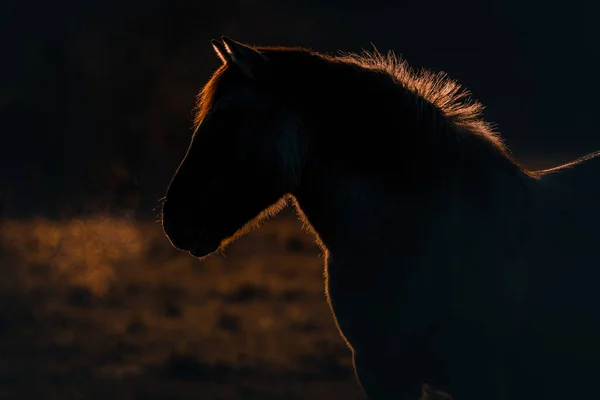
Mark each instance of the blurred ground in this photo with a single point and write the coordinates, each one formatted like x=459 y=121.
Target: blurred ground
x=105 y=308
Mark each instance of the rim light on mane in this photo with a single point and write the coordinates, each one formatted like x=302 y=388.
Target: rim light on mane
x=446 y=262
x=431 y=89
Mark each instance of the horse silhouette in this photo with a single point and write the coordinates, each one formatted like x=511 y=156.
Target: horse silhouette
x=447 y=263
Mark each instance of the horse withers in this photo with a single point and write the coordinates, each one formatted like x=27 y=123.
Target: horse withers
x=447 y=263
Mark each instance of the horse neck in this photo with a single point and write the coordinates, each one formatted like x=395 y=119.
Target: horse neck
x=341 y=209
x=358 y=213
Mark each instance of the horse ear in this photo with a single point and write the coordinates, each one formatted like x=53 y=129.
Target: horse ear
x=251 y=63
x=221 y=51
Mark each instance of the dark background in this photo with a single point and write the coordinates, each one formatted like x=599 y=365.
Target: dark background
x=96 y=97
x=96 y=103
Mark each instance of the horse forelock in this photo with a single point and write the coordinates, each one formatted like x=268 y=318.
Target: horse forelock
x=221 y=79
x=205 y=99
x=290 y=147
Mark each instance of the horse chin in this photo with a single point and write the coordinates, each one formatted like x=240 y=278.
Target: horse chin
x=202 y=248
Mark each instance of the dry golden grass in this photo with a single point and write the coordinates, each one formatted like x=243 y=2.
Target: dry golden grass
x=106 y=308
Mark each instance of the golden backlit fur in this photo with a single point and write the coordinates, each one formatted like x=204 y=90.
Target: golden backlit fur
x=446 y=262
x=434 y=90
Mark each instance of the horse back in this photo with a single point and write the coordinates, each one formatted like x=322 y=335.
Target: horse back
x=563 y=321
x=567 y=220
x=580 y=178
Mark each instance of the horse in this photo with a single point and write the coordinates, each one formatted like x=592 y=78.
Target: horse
x=447 y=263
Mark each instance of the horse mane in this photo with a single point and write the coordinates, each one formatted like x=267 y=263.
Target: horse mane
x=436 y=96
x=432 y=90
